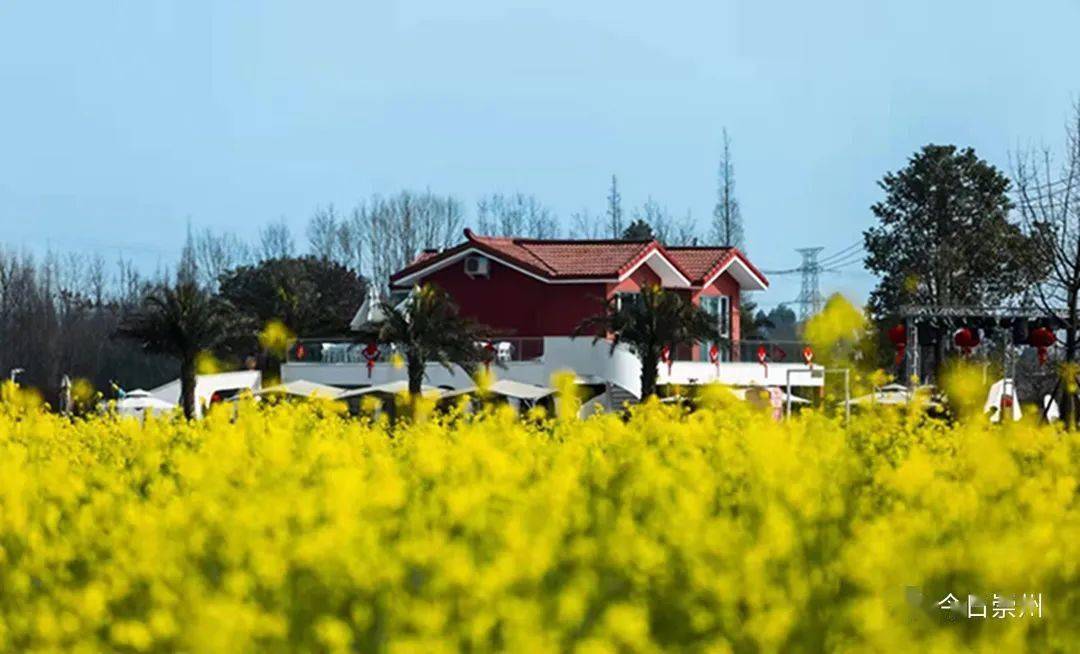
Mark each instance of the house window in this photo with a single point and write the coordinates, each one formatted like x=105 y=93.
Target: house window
x=719 y=307
x=623 y=298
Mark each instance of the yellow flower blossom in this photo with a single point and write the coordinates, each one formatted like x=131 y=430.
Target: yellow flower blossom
x=294 y=527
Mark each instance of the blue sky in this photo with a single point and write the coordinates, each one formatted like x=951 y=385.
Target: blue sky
x=121 y=121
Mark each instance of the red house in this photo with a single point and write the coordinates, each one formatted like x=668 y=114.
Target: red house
x=543 y=288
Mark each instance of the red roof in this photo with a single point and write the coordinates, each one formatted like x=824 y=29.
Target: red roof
x=702 y=263
x=582 y=259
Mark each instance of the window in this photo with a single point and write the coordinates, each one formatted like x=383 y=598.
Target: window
x=719 y=307
x=626 y=296
x=725 y=316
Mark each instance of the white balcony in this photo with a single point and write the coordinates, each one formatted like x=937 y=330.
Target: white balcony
x=534 y=361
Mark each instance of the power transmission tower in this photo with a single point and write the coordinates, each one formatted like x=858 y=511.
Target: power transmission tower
x=810 y=296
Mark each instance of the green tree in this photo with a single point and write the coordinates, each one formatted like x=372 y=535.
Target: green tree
x=428 y=327
x=312 y=296
x=657 y=318
x=639 y=230
x=754 y=325
x=944 y=236
x=183 y=321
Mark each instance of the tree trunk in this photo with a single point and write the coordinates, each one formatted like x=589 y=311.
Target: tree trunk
x=649 y=363
x=187 y=385
x=1068 y=404
x=415 y=366
x=939 y=353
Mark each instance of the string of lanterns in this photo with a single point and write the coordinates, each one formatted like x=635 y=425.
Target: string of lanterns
x=968 y=337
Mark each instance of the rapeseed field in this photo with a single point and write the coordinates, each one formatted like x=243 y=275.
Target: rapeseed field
x=298 y=528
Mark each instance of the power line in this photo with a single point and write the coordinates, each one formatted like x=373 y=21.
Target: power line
x=847 y=261
x=842 y=253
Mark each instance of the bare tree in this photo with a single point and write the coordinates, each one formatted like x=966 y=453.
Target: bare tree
x=217 y=253
x=1048 y=200
x=398 y=228
x=275 y=241
x=351 y=240
x=322 y=232
x=97 y=279
x=56 y=316
x=515 y=215
x=727 y=228
x=614 y=210
x=187 y=270
x=666 y=228
x=585 y=225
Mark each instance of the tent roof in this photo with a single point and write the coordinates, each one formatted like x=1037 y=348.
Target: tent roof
x=370 y=312
x=890 y=394
x=390 y=388
x=508 y=388
x=138 y=401
x=302 y=388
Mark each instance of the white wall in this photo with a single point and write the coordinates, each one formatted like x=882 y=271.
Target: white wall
x=592 y=363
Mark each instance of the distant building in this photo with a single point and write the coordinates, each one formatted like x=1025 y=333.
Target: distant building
x=534 y=292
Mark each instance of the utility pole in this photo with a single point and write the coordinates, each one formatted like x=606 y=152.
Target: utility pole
x=810 y=295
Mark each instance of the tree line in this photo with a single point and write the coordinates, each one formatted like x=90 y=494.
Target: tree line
x=60 y=313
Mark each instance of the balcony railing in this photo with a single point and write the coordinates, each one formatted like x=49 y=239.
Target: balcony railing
x=777 y=351
x=519 y=349
x=346 y=351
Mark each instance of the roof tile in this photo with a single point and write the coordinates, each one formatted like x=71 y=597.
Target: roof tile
x=583 y=259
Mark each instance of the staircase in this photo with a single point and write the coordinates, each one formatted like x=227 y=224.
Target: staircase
x=619 y=397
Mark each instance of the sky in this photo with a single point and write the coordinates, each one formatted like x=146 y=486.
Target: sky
x=123 y=122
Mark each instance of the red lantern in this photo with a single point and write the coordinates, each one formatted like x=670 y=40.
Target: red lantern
x=1042 y=338
x=371 y=353
x=301 y=352
x=665 y=357
x=714 y=354
x=808 y=355
x=966 y=339
x=763 y=357
x=898 y=336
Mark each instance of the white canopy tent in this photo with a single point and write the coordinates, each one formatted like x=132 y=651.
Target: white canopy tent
x=510 y=389
x=206 y=386
x=302 y=388
x=890 y=395
x=140 y=402
x=391 y=388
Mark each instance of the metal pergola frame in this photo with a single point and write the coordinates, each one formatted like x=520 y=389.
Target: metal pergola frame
x=913 y=314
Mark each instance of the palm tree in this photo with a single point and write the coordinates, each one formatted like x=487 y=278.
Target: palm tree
x=656 y=319
x=182 y=321
x=427 y=327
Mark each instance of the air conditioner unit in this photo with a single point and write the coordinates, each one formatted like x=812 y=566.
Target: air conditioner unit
x=477 y=266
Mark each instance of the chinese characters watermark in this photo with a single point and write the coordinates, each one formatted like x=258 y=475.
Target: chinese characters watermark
x=1030 y=605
